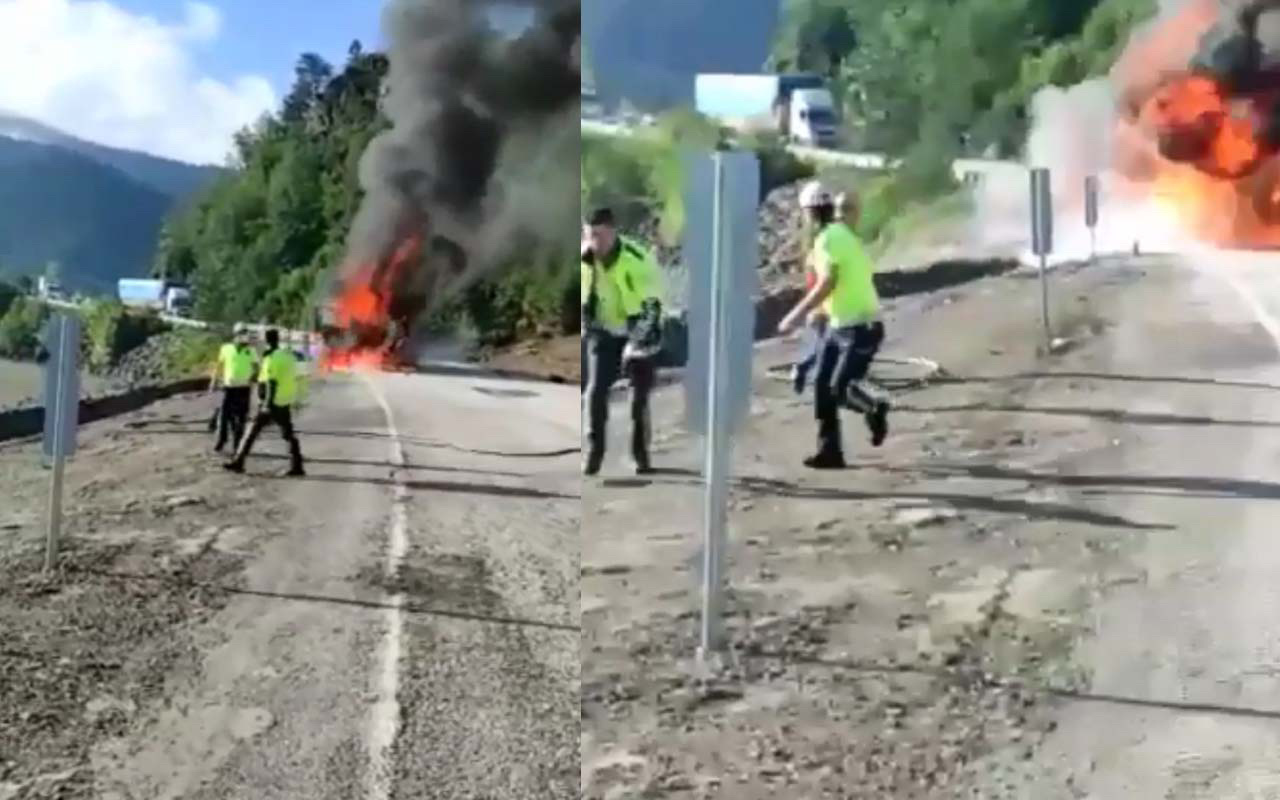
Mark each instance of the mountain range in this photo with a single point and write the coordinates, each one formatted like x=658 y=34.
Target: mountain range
x=95 y=210
x=648 y=51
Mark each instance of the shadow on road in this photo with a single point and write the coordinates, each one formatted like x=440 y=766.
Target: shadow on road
x=1174 y=485
x=1102 y=376
x=304 y=433
x=1116 y=415
x=439 y=486
x=355 y=462
x=1023 y=508
x=341 y=601
x=659 y=475
x=439 y=445
x=941 y=673
x=492 y=373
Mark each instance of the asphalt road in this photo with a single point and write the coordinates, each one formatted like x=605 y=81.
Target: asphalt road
x=1184 y=683
x=1100 y=524
x=413 y=633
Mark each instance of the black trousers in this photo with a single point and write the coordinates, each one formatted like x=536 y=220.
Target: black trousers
x=844 y=361
x=233 y=415
x=282 y=416
x=601 y=367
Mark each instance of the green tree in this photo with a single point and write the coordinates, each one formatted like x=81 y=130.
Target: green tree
x=815 y=36
x=20 y=328
x=8 y=294
x=311 y=74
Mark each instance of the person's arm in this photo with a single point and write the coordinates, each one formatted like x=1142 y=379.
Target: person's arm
x=217 y=370
x=262 y=380
x=590 y=298
x=648 y=279
x=822 y=289
x=270 y=396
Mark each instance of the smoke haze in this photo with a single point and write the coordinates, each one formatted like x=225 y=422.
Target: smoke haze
x=482 y=150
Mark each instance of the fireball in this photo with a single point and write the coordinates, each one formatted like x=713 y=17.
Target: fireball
x=1197 y=130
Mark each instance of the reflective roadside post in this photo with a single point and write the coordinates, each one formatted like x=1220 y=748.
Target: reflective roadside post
x=61 y=415
x=1042 y=239
x=722 y=253
x=1091 y=214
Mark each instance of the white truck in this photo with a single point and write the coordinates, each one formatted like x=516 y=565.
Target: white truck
x=591 y=107
x=50 y=289
x=163 y=296
x=797 y=106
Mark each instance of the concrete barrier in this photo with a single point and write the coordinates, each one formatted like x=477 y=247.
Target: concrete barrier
x=773 y=306
x=26 y=422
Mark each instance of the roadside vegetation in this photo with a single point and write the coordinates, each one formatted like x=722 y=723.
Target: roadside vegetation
x=111 y=335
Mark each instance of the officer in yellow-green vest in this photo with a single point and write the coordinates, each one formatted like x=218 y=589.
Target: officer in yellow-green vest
x=278 y=393
x=234 y=370
x=621 y=332
x=846 y=293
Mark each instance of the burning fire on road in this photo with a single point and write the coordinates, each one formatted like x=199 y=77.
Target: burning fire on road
x=482 y=146
x=1198 y=121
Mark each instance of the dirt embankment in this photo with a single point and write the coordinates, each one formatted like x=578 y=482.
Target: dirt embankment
x=151 y=531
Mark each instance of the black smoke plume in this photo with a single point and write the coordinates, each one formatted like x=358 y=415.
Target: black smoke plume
x=482 y=148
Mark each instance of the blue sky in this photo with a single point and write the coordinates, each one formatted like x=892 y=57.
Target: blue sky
x=265 y=37
x=175 y=78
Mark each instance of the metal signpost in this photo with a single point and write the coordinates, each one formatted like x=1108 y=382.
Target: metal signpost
x=1091 y=213
x=61 y=415
x=722 y=254
x=1042 y=239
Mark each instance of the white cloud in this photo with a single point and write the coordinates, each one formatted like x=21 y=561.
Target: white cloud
x=125 y=80
x=204 y=22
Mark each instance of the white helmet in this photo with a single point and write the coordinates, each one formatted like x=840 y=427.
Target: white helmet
x=814 y=195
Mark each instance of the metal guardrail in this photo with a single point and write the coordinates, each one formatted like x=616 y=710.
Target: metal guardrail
x=257 y=329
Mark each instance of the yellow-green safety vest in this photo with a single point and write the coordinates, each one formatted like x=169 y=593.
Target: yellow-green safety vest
x=237 y=365
x=622 y=287
x=281 y=366
x=854 y=300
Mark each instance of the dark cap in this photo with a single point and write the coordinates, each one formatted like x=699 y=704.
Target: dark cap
x=601 y=216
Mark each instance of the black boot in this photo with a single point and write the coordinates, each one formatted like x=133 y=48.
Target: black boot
x=825 y=460
x=295 y=460
x=878 y=423
x=830 y=454
x=593 y=461
x=640 y=446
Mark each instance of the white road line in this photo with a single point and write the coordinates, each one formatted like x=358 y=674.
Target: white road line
x=1264 y=318
x=384 y=720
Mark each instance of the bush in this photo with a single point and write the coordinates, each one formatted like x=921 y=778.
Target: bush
x=190 y=352
x=778 y=166
x=111 y=331
x=524 y=301
x=924 y=177
x=21 y=328
x=637 y=174
x=8 y=293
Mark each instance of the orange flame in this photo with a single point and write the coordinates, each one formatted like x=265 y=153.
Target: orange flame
x=362 y=312
x=1186 y=143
